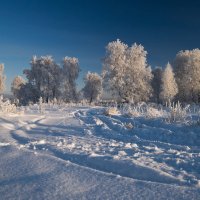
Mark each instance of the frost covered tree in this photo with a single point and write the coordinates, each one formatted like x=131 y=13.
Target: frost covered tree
x=28 y=93
x=2 y=78
x=114 y=68
x=16 y=85
x=93 y=87
x=70 y=72
x=126 y=73
x=44 y=75
x=168 y=87
x=187 y=72
x=156 y=84
x=138 y=75
x=49 y=81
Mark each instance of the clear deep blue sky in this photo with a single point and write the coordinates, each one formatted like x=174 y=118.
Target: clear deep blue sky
x=82 y=28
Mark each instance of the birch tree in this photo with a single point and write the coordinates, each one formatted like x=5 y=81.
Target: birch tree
x=126 y=73
x=93 y=87
x=187 y=73
x=44 y=75
x=16 y=85
x=168 y=87
x=70 y=72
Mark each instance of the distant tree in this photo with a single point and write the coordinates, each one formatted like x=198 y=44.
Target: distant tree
x=93 y=87
x=156 y=84
x=50 y=81
x=44 y=76
x=16 y=85
x=2 y=78
x=126 y=73
x=168 y=87
x=70 y=72
x=187 y=73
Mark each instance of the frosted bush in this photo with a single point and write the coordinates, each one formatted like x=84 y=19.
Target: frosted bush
x=111 y=111
x=142 y=110
x=195 y=114
x=7 y=106
x=52 y=105
x=172 y=113
x=177 y=113
x=129 y=125
x=195 y=109
x=154 y=112
x=133 y=110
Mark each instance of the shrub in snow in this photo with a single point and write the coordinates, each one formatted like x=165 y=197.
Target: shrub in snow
x=129 y=125
x=142 y=110
x=16 y=102
x=83 y=102
x=134 y=111
x=177 y=113
x=55 y=101
x=111 y=111
x=154 y=112
x=7 y=106
x=131 y=110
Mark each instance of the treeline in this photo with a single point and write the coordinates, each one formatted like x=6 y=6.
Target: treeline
x=52 y=81
x=126 y=76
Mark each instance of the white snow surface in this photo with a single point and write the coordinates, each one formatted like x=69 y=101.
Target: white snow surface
x=81 y=153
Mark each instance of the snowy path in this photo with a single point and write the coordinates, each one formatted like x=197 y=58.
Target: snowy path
x=83 y=154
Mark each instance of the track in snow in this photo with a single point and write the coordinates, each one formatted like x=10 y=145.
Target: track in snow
x=89 y=138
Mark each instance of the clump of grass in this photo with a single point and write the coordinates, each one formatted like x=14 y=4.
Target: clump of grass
x=142 y=110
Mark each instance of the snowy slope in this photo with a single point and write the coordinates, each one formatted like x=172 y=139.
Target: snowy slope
x=79 y=153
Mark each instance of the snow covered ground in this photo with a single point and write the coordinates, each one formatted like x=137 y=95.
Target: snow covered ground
x=80 y=153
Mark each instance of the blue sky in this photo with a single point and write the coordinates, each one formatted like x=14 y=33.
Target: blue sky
x=82 y=28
